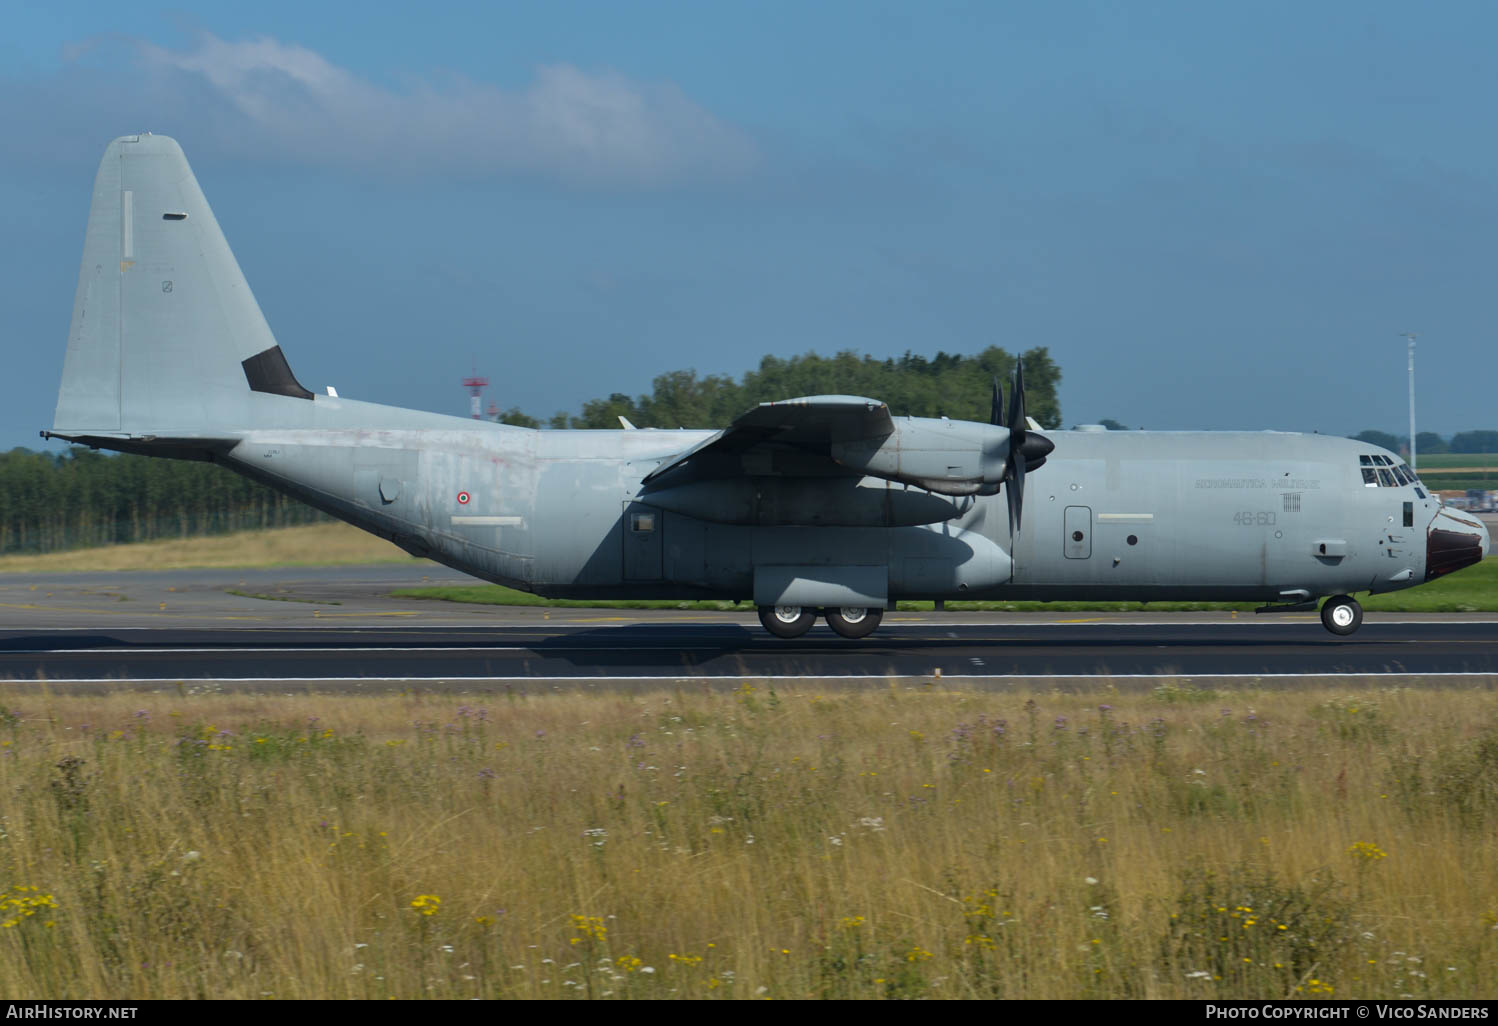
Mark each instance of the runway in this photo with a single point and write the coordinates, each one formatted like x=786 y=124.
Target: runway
x=339 y=629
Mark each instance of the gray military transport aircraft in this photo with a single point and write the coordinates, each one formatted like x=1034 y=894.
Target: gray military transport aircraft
x=820 y=505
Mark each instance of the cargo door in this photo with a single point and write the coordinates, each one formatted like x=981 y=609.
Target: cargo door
x=643 y=527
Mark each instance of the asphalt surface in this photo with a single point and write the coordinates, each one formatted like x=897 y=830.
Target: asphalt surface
x=338 y=629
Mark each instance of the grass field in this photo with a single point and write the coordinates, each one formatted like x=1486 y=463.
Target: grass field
x=313 y=545
x=1454 y=482
x=1462 y=460
x=1459 y=471
x=891 y=843
x=1474 y=589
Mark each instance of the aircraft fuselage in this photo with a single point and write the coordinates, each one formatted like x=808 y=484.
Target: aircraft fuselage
x=1266 y=516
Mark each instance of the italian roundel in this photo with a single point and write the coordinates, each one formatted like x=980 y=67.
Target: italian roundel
x=463 y=498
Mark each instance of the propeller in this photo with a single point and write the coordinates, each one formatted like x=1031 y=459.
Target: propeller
x=1027 y=449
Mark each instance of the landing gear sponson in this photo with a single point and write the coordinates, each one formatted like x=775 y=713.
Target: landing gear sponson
x=1340 y=614
x=794 y=621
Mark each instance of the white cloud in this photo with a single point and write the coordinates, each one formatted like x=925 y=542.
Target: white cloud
x=277 y=99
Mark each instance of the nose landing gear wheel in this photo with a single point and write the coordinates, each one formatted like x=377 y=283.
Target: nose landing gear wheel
x=1341 y=615
x=787 y=621
x=854 y=622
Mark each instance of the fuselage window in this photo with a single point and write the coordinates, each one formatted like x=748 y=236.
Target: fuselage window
x=1419 y=492
x=1365 y=460
x=1401 y=475
x=1385 y=478
x=1370 y=479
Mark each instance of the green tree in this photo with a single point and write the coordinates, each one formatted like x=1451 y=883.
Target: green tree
x=516 y=417
x=944 y=385
x=1475 y=441
x=80 y=497
x=1429 y=441
x=605 y=413
x=1379 y=438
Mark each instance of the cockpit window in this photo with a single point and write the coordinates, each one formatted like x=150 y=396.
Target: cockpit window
x=1398 y=475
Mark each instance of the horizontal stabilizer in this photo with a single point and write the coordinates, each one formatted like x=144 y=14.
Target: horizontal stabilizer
x=269 y=372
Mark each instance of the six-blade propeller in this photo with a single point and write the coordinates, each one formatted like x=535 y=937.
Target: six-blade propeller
x=1027 y=449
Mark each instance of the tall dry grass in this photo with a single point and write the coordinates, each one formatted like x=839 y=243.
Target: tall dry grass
x=311 y=545
x=695 y=843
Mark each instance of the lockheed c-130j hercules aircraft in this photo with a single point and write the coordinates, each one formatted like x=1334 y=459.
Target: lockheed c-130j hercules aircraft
x=826 y=505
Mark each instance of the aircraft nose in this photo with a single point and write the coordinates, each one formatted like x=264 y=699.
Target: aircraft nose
x=1452 y=542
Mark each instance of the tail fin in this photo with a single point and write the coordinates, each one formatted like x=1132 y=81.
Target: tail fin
x=167 y=339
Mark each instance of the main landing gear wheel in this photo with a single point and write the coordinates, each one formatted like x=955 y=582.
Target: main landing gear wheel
x=1341 y=615
x=787 y=621
x=854 y=621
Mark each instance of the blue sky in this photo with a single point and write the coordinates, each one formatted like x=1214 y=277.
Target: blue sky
x=1214 y=217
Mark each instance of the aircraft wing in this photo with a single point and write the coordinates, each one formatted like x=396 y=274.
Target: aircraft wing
x=808 y=425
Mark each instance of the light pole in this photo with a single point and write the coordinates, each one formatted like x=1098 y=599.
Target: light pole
x=1411 y=336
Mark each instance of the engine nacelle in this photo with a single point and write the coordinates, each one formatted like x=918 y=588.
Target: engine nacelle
x=952 y=457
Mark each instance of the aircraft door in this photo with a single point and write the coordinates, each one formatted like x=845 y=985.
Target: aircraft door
x=642 y=529
x=1399 y=541
x=1077 y=541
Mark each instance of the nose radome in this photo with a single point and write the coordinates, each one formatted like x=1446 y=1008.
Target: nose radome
x=1453 y=542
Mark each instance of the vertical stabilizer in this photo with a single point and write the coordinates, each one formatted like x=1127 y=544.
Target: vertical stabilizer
x=166 y=337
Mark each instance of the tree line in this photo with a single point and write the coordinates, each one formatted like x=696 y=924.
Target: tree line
x=1426 y=442
x=1430 y=443
x=947 y=385
x=81 y=498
